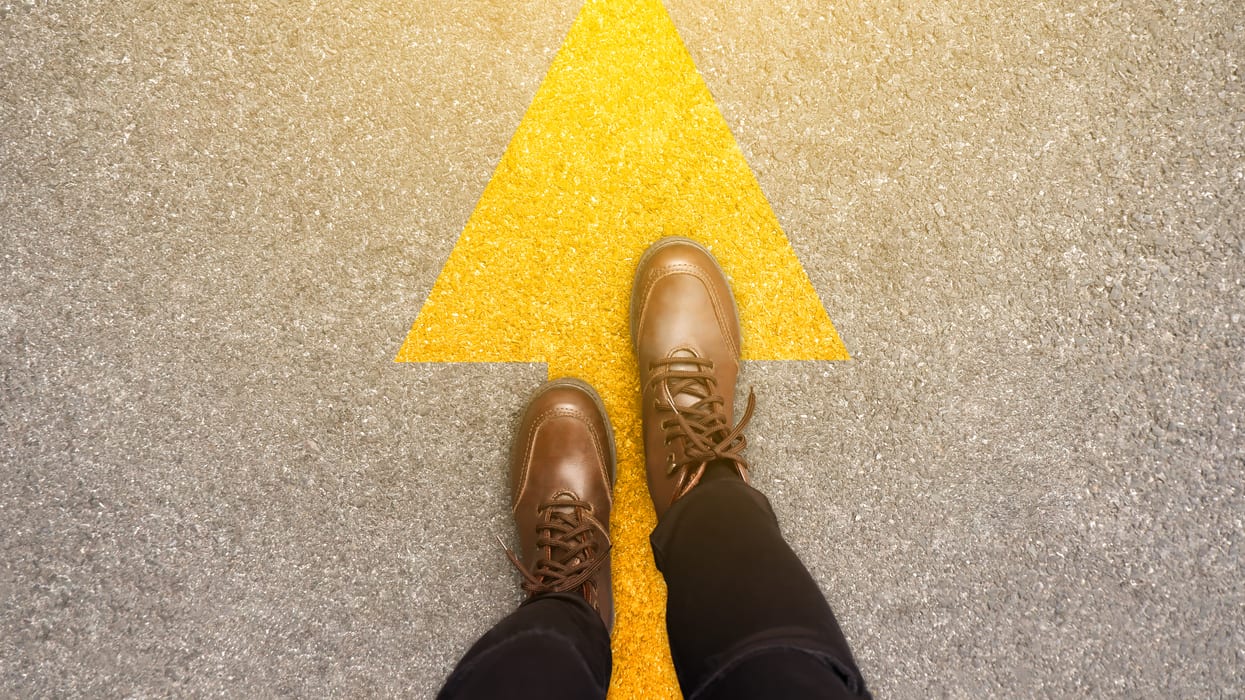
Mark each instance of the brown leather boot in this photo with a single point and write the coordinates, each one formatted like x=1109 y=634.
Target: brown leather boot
x=561 y=485
x=686 y=334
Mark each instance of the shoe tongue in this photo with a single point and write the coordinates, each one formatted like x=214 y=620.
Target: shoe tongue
x=684 y=400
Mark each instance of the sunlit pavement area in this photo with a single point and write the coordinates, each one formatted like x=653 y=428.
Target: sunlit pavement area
x=219 y=221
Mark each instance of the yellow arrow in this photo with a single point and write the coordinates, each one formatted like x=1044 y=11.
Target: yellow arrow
x=623 y=144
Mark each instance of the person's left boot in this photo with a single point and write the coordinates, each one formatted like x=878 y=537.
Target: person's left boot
x=561 y=477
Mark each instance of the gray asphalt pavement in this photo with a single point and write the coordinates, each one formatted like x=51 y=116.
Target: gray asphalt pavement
x=217 y=223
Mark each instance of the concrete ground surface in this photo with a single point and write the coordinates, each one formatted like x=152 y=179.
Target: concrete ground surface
x=218 y=221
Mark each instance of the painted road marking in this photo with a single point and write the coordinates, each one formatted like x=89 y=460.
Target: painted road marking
x=623 y=144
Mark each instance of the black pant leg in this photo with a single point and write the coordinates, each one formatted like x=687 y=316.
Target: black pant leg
x=742 y=606
x=553 y=647
x=783 y=674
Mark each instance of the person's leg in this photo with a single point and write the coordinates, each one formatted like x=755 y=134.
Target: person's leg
x=741 y=605
x=557 y=644
x=552 y=647
x=780 y=675
x=743 y=614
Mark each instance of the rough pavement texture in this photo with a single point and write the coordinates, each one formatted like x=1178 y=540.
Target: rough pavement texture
x=217 y=223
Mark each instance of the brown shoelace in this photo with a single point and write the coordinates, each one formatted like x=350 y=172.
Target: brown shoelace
x=570 y=538
x=703 y=426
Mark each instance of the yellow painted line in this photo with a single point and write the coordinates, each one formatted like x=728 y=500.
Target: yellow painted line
x=623 y=144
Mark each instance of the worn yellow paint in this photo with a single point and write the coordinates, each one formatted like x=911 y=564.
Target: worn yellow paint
x=623 y=144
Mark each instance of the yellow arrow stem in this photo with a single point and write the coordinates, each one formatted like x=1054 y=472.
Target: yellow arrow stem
x=642 y=667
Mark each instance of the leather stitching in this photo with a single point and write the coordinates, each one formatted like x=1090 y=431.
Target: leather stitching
x=719 y=312
x=530 y=444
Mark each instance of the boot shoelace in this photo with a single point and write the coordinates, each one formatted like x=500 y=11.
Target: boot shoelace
x=569 y=541
x=704 y=427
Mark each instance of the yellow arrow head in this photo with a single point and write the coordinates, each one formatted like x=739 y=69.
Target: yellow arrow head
x=623 y=144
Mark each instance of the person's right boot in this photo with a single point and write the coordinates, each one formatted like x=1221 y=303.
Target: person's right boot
x=685 y=329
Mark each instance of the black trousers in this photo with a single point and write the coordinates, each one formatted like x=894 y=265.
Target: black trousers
x=745 y=618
